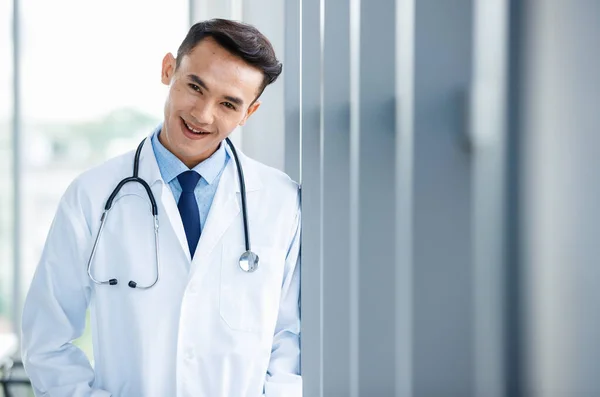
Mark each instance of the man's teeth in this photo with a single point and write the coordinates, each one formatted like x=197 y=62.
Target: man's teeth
x=193 y=130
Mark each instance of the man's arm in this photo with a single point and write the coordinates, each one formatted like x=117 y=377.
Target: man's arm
x=283 y=376
x=55 y=310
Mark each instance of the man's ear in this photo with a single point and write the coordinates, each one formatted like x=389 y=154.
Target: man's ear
x=168 y=68
x=253 y=108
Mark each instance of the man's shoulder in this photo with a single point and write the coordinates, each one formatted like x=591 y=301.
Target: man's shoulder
x=273 y=178
x=113 y=168
x=95 y=181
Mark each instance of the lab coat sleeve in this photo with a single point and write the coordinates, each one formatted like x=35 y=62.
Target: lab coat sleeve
x=55 y=310
x=283 y=376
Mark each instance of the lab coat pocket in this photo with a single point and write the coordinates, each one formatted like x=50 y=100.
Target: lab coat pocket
x=249 y=301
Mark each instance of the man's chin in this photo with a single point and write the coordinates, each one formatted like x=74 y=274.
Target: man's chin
x=193 y=152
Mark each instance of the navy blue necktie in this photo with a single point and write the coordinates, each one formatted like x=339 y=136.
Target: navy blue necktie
x=188 y=208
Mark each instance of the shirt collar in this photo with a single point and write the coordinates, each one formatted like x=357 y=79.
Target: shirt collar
x=170 y=166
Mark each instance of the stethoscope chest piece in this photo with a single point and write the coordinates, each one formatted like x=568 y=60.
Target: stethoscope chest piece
x=249 y=262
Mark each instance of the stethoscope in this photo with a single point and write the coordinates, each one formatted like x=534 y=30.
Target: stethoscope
x=248 y=260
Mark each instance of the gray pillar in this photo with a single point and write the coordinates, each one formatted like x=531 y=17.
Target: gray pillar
x=405 y=62
x=339 y=351
x=348 y=177
x=387 y=198
x=486 y=137
x=561 y=192
x=312 y=205
x=291 y=89
x=17 y=172
x=376 y=156
x=442 y=210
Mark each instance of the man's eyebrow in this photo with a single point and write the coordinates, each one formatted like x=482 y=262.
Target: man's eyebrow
x=198 y=80
x=236 y=100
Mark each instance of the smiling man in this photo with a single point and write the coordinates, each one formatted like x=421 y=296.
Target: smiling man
x=214 y=87
x=200 y=320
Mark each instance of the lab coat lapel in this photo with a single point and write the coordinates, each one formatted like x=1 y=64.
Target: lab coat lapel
x=150 y=172
x=168 y=201
x=223 y=211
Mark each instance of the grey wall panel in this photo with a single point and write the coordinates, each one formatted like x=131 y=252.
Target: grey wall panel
x=387 y=279
x=405 y=33
x=443 y=331
x=487 y=136
x=311 y=175
x=205 y=9
x=377 y=203
x=17 y=171
x=291 y=89
x=515 y=355
x=337 y=346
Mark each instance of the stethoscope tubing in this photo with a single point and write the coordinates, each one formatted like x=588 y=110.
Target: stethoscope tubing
x=136 y=179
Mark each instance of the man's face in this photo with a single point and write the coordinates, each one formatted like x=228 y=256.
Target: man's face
x=209 y=96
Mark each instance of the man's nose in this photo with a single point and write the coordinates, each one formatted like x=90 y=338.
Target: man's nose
x=204 y=114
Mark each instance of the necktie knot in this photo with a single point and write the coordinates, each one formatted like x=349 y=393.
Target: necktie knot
x=188 y=181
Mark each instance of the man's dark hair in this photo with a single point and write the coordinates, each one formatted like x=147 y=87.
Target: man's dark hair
x=240 y=39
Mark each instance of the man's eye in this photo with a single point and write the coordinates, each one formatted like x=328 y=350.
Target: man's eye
x=194 y=87
x=229 y=105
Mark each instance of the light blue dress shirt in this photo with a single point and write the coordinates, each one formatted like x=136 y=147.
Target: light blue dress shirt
x=210 y=171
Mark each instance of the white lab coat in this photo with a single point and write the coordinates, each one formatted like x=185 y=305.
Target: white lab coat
x=206 y=329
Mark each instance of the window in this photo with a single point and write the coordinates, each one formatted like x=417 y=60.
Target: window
x=6 y=169
x=90 y=90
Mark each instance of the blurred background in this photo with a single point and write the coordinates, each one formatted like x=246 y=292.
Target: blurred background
x=447 y=151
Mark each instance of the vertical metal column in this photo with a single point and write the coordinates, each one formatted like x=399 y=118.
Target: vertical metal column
x=377 y=201
x=405 y=58
x=206 y=9
x=292 y=88
x=442 y=234
x=515 y=358
x=393 y=282
x=338 y=346
x=192 y=11
x=560 y=196
x=354 y=198
x=17 y=171
x=312 y=198
x=487 y=140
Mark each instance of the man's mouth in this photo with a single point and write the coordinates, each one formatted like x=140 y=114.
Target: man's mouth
x=194 y=130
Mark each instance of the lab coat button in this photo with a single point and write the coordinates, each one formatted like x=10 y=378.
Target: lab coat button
x=189 y=355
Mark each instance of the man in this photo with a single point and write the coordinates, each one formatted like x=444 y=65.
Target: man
x=193 y=321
